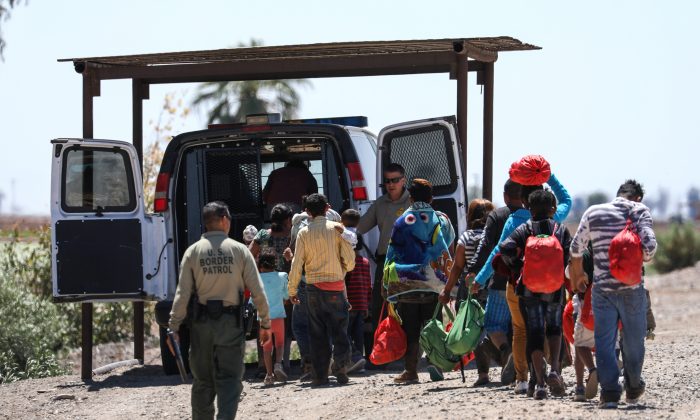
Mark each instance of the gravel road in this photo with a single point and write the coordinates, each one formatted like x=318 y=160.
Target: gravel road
x=672 y=373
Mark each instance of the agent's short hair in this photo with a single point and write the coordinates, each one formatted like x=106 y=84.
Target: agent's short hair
x=541 y=203
x=421 y=190
x=512 y=190
x=267 y=259
x=350 y=218
x=316 y=204
x=630 y=190
x=214 y=211
x=395 y=167
x=278 y=214
x=478 y=211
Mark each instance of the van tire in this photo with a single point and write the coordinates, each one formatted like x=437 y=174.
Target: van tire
x=168 y=360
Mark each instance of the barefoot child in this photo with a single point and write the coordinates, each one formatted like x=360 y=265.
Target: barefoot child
x=275 y=285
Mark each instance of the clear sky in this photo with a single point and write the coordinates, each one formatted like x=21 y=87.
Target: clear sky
x=612 y=94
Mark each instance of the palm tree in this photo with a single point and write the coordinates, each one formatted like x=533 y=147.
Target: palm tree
x=232 y=101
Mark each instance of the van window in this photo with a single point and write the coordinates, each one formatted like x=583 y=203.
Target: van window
x=97 y=179
x=424 y=152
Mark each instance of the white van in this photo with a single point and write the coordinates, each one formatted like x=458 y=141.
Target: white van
x=106 y=248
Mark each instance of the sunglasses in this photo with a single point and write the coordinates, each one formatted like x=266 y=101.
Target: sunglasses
x=393 y=180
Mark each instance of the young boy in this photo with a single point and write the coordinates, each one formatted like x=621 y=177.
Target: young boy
x=584 y=340
x=542 y=311
x=358 y=285
x=275 y=286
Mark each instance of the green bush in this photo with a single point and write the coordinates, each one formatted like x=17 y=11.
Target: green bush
x=31 y=332
x=679 y=247
x=28 y=312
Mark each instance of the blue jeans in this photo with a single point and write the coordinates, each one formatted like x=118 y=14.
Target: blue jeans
x=356 y=334
x=328 y=323
x=300 y=325
x=629 y=307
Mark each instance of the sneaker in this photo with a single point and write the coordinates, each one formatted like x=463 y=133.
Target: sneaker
x=607 y=405
x=592 y=385
x=580 y=393
x=508 y=371
x=358 y=366
x=540 y=392
x=435 y=373
x=556 y=384
x=342 y=377
x=632 y=395
x=521 y=387
x=319 y=382
x=280 y=375
x=406 y=378
x=481 y=382
x=269 y=379
x=530 y=389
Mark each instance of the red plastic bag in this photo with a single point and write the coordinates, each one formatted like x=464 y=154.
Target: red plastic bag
x=626 y=257
x=587 y=318
x=389 y=339
x=530 y=170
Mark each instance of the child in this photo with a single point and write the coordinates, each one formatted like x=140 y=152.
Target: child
x=478 y=211
x=584 y=340
x=359 y=290
x=542 y=311
x=275 y=286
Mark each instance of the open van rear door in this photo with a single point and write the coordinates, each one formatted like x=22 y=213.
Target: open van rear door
x=428 y=149
x=103 y=245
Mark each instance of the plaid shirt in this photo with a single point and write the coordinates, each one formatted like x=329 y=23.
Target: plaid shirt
x=358 y=285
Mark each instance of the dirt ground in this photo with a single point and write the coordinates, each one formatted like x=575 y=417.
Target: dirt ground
x=672 y=373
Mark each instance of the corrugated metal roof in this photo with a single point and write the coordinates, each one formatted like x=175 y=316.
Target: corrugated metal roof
x=474 y=46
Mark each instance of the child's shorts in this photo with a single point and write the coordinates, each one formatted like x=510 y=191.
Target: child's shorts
x=497 y=313
x=277 y=331
x=583 y=337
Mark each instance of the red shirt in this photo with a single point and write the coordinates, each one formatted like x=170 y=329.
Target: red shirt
x=359 y=285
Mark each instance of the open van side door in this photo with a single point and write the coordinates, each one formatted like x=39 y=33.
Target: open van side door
x=428 y=149
x=103 y=245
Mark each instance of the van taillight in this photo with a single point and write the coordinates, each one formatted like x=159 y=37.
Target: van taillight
x=359 y=188
x=160 y=204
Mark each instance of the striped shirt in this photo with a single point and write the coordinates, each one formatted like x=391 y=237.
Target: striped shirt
x=321 y=253
x=358 y=285
x=470 y=240
x=600 y=224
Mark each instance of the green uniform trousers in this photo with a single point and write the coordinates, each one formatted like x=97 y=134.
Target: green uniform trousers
x=216 y=360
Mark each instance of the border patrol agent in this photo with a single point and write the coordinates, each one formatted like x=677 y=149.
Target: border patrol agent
x=217 y=269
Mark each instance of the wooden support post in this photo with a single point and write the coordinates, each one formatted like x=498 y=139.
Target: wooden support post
x=86 y=308
x=139 y=92
x=487 y=185
x=462 y=81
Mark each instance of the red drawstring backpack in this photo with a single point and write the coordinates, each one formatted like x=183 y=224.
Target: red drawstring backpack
x=530 y=170
x=389 y=339
x=543 y=263
x=625 y=254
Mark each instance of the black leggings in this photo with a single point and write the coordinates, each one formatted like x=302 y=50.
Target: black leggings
x=542 y=319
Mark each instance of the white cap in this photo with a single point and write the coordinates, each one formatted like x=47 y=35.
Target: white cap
x=249 y=233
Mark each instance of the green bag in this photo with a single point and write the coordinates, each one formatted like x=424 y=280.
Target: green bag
x=432 y=341
x=466 y=329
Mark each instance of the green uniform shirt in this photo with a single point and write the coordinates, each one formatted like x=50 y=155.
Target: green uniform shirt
x=222 y=268
x=383 y=213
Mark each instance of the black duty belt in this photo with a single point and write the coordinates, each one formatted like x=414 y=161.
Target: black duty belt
x=234 y=309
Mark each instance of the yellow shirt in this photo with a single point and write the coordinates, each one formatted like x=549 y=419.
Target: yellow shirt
x=321 y=253
x=222 y=269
